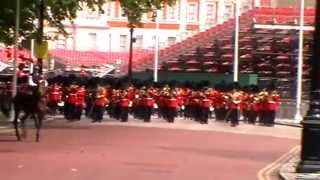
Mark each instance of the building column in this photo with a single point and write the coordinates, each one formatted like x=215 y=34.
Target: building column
x=221 y=11
x=202 y=15
x=74 y=39
x=256 y=3
x=183 y=19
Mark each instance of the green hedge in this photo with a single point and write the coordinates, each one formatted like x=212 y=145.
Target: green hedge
x=251 y=79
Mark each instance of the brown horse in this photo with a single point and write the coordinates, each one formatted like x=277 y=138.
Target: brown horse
x=29 y=100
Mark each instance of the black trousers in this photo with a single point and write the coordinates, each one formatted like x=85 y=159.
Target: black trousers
x=53 y=107
x=124 y=111
x=234 y=116
x=97 y=114
x=263 y=117
x=252 y=116
x=147 y=115
x=171 y=114
x=70 y=111
x=270 y=117
x=204 y=115
x=220 y=113
x=78 y=112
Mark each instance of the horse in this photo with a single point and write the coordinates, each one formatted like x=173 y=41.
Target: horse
x=31 y=101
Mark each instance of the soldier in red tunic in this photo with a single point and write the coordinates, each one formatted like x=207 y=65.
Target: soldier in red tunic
x=253 y=106
x=99 y=105
x=148 y=102
x=80 y=102
x=172 y=105
x=205 y=109
x=70 y=105
x=54 y=97
x=273 y=105
x=124 y=106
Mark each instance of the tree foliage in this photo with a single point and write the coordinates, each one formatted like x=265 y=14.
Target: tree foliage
x=134 y=9
x=55 y=12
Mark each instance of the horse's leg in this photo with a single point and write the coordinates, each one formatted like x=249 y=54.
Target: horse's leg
x=15 y=123
x=23 y=126
x=38 y=123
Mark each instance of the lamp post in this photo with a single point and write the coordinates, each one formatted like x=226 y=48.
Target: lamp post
x=14 y=77
x=40 y=32
x=310 y=145
x=130 y=54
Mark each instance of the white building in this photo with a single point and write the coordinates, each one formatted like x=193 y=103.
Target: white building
x=108 y=32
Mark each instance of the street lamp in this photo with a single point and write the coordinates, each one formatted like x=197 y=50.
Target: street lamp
x=40 y=32
x=130 y=53
x=310 y=145
x=14 y=78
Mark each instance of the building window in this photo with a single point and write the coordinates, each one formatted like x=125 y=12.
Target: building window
x=229 y=11
x=192 y=12
x=211 y=13
x=123 y=42
x=139 y=42
x=60 y=43
x=90 y=14
x=172 y=12
x=171 y=40
x=92 y=41
x=110 y=9
x=122 y=13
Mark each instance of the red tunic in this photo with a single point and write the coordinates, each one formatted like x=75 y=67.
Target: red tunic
x=205 y=103
x=124 y=102
x=72 y=98
x=148 y=102
x=172 y=103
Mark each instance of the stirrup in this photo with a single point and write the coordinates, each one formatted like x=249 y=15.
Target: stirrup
x=30 y=82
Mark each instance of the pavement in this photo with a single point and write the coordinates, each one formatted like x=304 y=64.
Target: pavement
x=187 y=151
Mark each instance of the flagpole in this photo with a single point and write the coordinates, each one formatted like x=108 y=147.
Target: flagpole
x=156 y=52
x=298 y=116
x=236 y=43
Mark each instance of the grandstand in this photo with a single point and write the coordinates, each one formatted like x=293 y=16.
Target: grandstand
x=270 y=53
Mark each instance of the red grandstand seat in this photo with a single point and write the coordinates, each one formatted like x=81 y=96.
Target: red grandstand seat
x=193 y=70
x=283 y=67
x=175 y=69
x=213 y=70
x=283 y=74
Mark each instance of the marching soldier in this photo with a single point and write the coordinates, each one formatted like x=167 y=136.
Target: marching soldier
x=172 y=105
x=80 y=102
x=205 y=109
x=71 y=103
x=148 y=106
x=99 y=105
x=124 y=107
x=273 y=105
x=234 y=102
x=263 y=106
x=55 y=96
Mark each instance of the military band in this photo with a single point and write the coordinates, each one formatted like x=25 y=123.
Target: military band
x=167 y=102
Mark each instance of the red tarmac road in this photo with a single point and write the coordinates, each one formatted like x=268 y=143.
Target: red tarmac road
x=105 y=152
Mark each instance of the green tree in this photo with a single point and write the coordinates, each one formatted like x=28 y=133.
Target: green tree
x=55 y=12
x=134 y=9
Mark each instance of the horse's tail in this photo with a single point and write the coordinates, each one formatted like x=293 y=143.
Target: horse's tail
x=6 y=106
